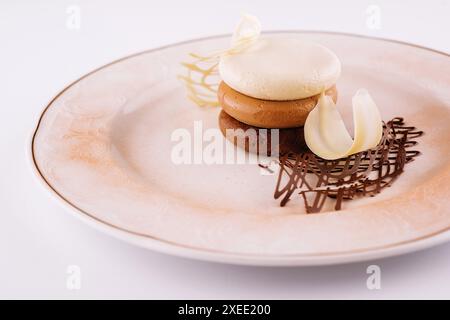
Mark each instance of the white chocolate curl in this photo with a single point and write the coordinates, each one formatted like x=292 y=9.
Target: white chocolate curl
x=327 y=136
x=247 y=32
x=201 y=79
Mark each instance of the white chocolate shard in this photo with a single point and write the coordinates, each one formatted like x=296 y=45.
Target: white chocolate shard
x=247 y=31
x=327 y=136
x=201 y=78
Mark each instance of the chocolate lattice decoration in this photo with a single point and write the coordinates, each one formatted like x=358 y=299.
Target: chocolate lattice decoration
x=363 y=174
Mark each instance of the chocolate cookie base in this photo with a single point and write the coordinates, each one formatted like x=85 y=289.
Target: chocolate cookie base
x=289 y=139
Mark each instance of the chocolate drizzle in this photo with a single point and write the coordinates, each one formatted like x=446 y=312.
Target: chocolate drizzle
x=363 y=174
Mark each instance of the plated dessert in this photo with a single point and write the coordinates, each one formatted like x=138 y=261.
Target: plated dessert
x=289 y=86
x=275 y=83
x=102 y=148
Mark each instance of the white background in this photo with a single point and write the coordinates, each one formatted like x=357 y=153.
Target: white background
x=39 y=56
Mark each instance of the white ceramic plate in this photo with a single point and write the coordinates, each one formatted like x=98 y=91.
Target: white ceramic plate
x=103 y=149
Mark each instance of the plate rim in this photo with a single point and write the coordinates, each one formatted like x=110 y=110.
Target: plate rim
x=178 y=249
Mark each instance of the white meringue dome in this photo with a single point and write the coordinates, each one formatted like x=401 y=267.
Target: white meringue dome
x=281 y=69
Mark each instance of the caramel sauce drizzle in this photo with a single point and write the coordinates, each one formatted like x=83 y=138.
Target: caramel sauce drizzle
x=201 y=77
x=199 y=73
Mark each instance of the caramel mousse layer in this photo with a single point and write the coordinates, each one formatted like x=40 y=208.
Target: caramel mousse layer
x=268 y=113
